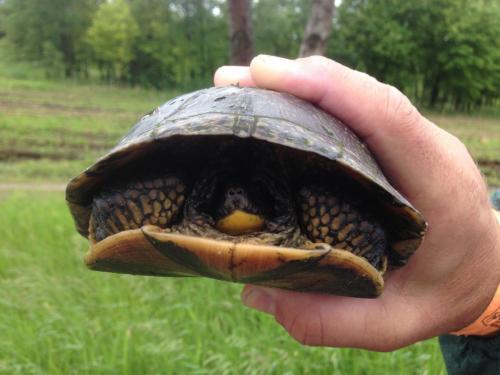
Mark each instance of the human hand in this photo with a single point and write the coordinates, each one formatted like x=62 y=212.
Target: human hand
x=453 y=275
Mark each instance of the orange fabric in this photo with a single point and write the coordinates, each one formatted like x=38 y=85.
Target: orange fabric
x=488 y=323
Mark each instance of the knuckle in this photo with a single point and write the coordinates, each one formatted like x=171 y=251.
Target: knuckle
x=324 y=65
x=398 y=108
x=469 y=180
x=280 y=316
x=369 y=81
x=316 y=60
x=299 y=333
x=292 y=323
x=297 y=326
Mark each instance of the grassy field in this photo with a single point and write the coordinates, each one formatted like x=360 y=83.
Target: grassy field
x=50 y=131
x=58 y=318
x=481 y=135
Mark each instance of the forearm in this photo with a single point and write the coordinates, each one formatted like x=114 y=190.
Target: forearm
x=471 y=353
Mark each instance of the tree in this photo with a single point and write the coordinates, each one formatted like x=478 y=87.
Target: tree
x=279 y=26
x=157 y=48
x=3 y=17
x=240 y=30
x=38 y=28
x=440 y=52
x=203 y=40
x=318 y=28
x=111 y=37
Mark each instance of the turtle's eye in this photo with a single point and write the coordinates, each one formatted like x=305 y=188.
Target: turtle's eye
x=235 y=192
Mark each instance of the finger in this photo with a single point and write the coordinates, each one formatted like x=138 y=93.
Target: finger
x=354 y=97
x=413 y=152
x=233 y=75
x=321 y=320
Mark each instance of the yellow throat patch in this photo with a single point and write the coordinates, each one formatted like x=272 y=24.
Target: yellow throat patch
x=240 y=222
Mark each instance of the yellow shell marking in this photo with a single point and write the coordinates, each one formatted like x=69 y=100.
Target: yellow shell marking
x=239 y=222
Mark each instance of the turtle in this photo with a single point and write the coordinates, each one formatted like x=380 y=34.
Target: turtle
x=246 y=185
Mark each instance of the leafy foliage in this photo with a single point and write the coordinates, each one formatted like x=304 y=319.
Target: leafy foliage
x=111 y=36
x=279 y=25
x=440 y=51
x=443 y=53
x=181 y=42
x=37 y=28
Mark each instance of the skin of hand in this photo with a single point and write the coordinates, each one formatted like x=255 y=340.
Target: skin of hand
x=452 y=277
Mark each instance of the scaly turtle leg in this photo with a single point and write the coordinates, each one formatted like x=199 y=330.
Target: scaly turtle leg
x=330 y=218
x=157 y=201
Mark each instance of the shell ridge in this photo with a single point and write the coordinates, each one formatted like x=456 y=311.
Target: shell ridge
x=134 y=133
x=244 y=123
x=165 y=120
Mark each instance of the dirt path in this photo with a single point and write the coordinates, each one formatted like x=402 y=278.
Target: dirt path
x=32 y=186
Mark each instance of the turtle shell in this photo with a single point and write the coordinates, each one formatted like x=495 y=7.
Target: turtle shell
x=264 y=115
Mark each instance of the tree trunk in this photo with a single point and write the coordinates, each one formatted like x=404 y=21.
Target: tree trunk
x=434 y=92
x=240 y=29
x=318 y=28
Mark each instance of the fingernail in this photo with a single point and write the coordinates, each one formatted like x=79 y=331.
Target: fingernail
x=258 y=299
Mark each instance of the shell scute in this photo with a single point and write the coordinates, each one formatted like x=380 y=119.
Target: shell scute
x=264 y=115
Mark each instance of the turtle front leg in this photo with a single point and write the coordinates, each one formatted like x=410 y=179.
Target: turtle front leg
x=196 y=205
x=331 y=218
x=157 y=201
x=284 y=216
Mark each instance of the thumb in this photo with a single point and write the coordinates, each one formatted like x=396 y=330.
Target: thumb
x=382 y=324
x=412 y=151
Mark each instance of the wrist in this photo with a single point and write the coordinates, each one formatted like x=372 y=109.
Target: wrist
x=488 y=323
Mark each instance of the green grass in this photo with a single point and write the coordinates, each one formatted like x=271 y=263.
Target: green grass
x=56 y=317
x=59 y=318
x=481 y=135
x=52 y=130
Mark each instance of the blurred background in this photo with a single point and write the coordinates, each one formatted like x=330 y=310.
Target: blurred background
x=75 y=75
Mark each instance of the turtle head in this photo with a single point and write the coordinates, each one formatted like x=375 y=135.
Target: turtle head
x=236 y=205
x=238 y=198
x=235 y=198
x=238 y=215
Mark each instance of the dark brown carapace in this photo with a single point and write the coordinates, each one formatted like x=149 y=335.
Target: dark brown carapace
x=256 y=198
x=311 y=209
